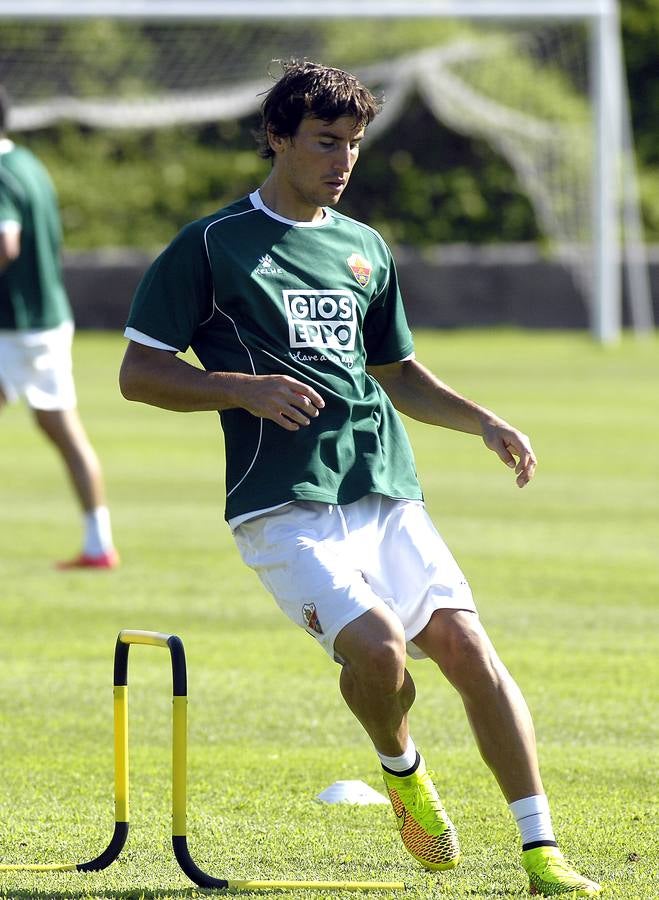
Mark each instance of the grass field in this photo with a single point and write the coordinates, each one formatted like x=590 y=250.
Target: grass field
x=566 y=574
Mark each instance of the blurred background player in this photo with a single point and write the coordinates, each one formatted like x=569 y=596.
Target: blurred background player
x=36 y=333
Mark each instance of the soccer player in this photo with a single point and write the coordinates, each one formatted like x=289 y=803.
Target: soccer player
x=36 y=331
x=294 y=311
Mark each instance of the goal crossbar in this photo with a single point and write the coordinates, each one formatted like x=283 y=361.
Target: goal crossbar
x=247 y=9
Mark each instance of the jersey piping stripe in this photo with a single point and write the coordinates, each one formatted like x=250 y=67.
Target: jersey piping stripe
x=208 y=257
x=258 y=443
x=242 y=343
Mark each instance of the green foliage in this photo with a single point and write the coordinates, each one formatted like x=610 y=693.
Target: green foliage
x=564 y=573
x=640 y=31
x=419 y=183
x=99 y=54
x=511 y=78
x=424 y=184
x=370 y=41
x=136 y=189
x=96 y=50
x=649 y=193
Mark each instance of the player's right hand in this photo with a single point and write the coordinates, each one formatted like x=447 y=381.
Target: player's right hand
x=281 y=399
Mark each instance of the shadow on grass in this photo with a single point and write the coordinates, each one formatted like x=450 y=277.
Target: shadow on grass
x=162 y=894
x=135 y=894
x=492 y=892
x=194 y=891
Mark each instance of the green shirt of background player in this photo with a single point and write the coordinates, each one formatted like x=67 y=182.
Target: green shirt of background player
x=36 y=331
x=367 y=576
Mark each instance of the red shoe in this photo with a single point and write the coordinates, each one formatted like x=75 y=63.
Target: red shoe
x=109 y=560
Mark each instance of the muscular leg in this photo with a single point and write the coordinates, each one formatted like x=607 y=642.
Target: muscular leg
x=374 y=681
x=379 y=690
x=495 y=707
x=65 y=430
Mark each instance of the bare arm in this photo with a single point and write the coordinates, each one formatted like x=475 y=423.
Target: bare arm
x=10 y=245
x=415 y=391
x=160 y=378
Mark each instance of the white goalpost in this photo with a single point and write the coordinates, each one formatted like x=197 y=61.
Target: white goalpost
x=541 y=81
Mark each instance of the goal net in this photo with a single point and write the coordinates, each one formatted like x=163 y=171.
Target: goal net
x=524 y=85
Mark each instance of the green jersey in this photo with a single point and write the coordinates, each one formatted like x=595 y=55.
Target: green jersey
x=252 y=292
x=32 y=293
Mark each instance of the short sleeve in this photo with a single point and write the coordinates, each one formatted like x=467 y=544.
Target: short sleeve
x=387 y=336
x=175 y=295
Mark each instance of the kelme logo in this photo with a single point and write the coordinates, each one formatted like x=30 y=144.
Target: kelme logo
x=267 y=266
x=360 y=268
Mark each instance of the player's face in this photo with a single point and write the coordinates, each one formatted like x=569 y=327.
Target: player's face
x=313 y=167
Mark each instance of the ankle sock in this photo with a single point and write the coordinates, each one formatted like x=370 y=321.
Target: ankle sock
x=406 y=763
x=534 y=821
x=98 y=532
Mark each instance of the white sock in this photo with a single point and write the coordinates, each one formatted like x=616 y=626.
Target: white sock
x=533 y=820
x=401 y=763
x=98 y=532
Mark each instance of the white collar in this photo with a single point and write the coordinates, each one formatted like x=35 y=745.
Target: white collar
x=6 y=146
x=257 y=203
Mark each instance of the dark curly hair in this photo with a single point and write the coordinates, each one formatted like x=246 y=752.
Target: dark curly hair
x=310 y=89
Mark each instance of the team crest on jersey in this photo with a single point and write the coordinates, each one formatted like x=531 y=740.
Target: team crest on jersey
x=311 y=618
x=360 y=268
x=326 y=320
x=267 y=266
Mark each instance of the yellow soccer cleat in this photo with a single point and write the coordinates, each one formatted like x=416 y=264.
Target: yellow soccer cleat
x=426 y=831
x=550 y=874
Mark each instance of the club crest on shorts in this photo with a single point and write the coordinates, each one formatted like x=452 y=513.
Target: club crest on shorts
x=311 y=617
x=360 y=268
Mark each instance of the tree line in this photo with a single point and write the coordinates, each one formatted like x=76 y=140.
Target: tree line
x=419 y=183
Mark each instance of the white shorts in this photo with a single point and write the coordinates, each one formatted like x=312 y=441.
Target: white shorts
x=327 y=565
x=37 y=365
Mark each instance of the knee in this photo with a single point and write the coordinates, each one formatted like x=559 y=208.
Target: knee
x=49 y=423
x=59 y=426
x=465 y=653
x=378 y=657
x=385 y=657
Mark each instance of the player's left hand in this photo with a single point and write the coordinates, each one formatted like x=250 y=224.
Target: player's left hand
x=512 y=447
